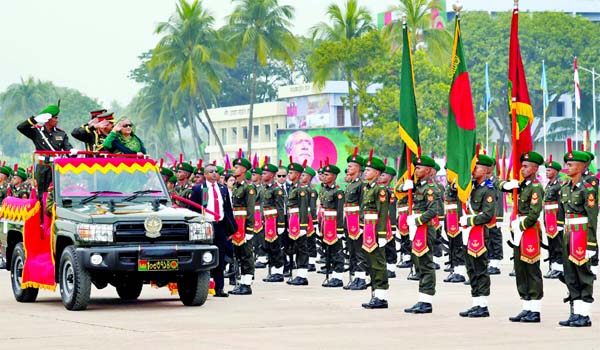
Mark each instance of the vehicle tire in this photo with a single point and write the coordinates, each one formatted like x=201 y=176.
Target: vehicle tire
x=22 y=295
x=193 y=288
x=75 y=282
x=129 y=289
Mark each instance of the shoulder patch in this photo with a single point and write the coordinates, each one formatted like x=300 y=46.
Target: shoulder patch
x=534 y=198
x=312 y=194
x=489 y=199
x=280 y=192
x=430 y=192
x=340 y=196
x=591 y=200
x=382 y=193
x=302 y=193
x=251 y=191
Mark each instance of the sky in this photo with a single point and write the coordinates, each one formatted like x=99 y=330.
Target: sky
x=92 y=45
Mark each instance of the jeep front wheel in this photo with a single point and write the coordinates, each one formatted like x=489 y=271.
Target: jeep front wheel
x=23 y=295
x=193 y=288
x=75 y=282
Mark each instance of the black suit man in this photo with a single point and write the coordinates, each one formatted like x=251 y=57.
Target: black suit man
x=214 y=197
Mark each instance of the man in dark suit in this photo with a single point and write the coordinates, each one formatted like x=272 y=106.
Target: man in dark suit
x=214 y=197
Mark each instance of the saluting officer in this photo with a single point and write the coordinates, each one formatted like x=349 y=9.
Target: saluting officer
x=243 y=202
x=527 y=236
x=375 y=207
x=551 y=214
x=579 y=203
x=481 y=212
x=94 y=132
x=427 y=201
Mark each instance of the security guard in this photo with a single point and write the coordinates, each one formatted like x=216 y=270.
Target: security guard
x=94 y=132
x=375 y=207
x=298 y=210
x=427 y=201
x=579 y=203
x=243 y=201
x=481 y=210
x=332 y=225
x=552 y=225
x=527 y=237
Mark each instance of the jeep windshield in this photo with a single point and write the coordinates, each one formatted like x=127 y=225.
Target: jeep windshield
x=88 y=179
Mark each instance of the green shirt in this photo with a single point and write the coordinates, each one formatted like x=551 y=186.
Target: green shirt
x=581 y=199
x=243 y=195
x=482 y=202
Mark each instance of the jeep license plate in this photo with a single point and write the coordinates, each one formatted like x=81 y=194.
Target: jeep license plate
x=158 y=264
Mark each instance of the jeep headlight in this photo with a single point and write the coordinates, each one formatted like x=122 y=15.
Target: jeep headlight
x=95 y=232
x=201 y=231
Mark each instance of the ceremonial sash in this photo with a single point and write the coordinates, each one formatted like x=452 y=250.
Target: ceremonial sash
x=258 y=223
x=352 y=220
x=402 y=224
x=294 y=223
x=435 y=222
x=270 y=224
x=453 y=228
x=577 y=226
x=476 y=244
x=370 y=231
x=330 y=226
x=310 y=228
x=550 y=221
x=530 y=245
x=239 y=237
x=419 y=243
x=388 y=226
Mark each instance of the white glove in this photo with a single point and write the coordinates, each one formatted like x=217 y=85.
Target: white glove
x=511 y=185
x=408 y=185
x=397 y=234
x=465 y=234
x=411 y=220
x=412 y=231
x=302 y=233
x=560 y=228
x=42 y=118
x=340 y=235
x=317 y=231
x=381 y=242
x=73 y=151
x=463 y=220
x=249 y=236
x=589 y=253
x=515 y=227
x=280 y=230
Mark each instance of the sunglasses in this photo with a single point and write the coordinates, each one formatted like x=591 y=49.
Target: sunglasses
x=127 y=125
x=211 y=171
x=281 y=175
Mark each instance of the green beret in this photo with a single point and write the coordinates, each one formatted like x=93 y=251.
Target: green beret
x=173 y=179
x=484 y=160
x=199 y=171
x=375 y=163
x=53 y=110
x=577 y=156
x=389 y=170
x=424 y=161
x=320 y=170
x=554 y=165
x=270 y=167
x=6 y=171
x=296 y=167
x=166 y=172
x=242 y=162
x=257 y=171
x=590 y=154
x=310 y=171
x=330 y=168
x=185 y=166
x=248 y=175
x=358 y=159
x=436 y=166
x=220 y=170
x=21 y=173
x=532 y=157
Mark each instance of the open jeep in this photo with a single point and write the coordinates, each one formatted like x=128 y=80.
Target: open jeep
x=106 y=220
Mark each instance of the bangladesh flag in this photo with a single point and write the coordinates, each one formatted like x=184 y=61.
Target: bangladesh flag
x=409 y=128
x=460 y=146
x=520 y=105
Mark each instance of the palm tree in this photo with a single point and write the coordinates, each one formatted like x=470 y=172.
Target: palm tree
x=191 y=52
x=346 y=25
x=26 y=98
x=263 y=27
x=437 y=43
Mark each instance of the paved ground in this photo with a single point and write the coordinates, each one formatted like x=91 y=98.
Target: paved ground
x=285 y=317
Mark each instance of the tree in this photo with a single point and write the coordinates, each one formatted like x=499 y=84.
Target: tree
x=263 y=27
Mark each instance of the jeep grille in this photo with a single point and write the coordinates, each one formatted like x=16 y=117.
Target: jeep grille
x=135 y=232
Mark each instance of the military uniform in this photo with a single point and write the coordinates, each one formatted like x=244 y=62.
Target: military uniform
x=590 y=178
x=271 y=201
x=89 y=135
x=298 y=214
x=405 y=242
x=494 y=243
x=353 y=216
x=332 y=228
x=243 y=200
x=311 y=240
x=391 y=252
x=553 y=226
x=456 y=248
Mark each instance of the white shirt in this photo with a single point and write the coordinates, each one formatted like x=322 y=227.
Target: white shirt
x=210 y=205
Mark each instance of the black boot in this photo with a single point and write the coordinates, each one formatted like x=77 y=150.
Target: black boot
x=466 y=313
x=420 y=308
x=376 y=303
x=358 y=284
x=277 y=277
x=581 y=321
x=298 y=281
x=333 y=283
x=518 y=317
x=242 y=289
x=480 y=312
x=532 y=317
x=404 y=265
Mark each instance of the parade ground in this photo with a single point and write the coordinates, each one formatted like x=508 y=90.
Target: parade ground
x=279 y=316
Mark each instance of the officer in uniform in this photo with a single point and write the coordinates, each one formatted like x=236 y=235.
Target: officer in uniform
x=481 y=208
x=243 y=201
x=353 y=222
x=18 y=188
x=271 y=200
x=391 y=254
x=259 y=239
x=403 y=234
x=552 y=225
x=455 y=240
x=94 y=132
x=183 y=188
x=439 y=221
x=494 y=242
x=5 y=178
x=332 y=225
x=427 y=200
x=375 y=207
x=46 y=136
x=311 y=240
x=527 y=237
x=298 y=209
x=579 y=203
x=591 y=179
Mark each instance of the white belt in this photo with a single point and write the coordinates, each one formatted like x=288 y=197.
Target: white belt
x=330 y=213
x=257 y=207
x=43 y=158
x=551 y=206
x=451 y=206
x=350 y=209
x=293 y=210
x=270 y=212
x=240 y=212
x=576 y=221
x=371 y=216
x=402 y=209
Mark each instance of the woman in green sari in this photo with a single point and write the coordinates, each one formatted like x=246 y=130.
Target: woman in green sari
x=123 y=140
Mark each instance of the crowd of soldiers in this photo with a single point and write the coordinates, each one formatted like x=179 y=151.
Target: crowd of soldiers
x=285 y=224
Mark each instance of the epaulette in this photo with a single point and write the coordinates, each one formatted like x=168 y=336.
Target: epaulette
x=489 y=184
x=536 y=183
x=589 y=186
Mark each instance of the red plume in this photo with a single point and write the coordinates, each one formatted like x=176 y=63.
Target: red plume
x=281 y=162
x=326 y=161
x=550 y=159
x=214 y=162
x=3 y=162
x=355 y=153
x=240 y=153
x=569 y=145
x=370 y=155
x=291 y=161
x=385 y=161
x=180 y=158
x=477 y=148
x=320 y=164
x=304 y=163
x=419 y=152
x=161 y=163
x=16 y=167
x=199 y=165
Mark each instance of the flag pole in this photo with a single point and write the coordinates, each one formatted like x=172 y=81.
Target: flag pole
x=409 y=177
x=576 y=128
x=515 y=157
x=544 y=115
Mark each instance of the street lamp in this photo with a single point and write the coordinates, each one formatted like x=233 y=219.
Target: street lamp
x=594 y=77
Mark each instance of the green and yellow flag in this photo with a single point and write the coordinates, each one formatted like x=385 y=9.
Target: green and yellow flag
x=460 y=147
